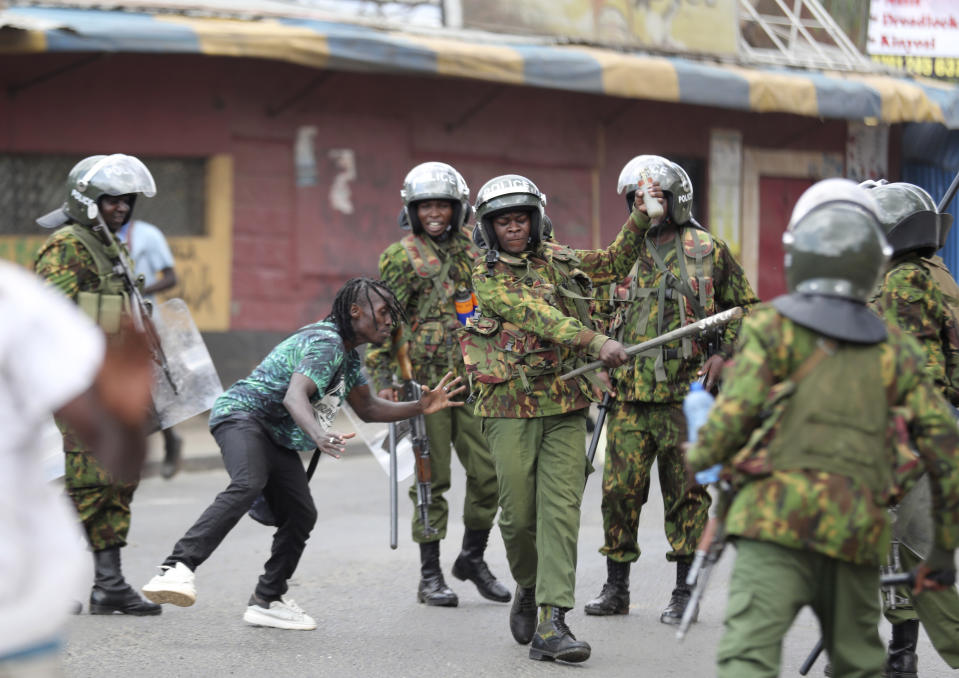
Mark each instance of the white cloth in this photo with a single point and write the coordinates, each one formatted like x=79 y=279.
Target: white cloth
x=148 y=249
x=49 y=354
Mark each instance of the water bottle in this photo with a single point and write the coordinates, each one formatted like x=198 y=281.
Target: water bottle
x=696 y=406
x=654 y=210
x=465 y=302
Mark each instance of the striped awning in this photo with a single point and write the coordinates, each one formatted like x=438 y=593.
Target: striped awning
x=342 y=46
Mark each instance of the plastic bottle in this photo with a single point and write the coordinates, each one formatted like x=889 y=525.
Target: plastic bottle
x=465 y=302
x=654 y=210
x=696 y=406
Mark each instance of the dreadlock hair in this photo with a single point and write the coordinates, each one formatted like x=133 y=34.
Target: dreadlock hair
x=355 y=290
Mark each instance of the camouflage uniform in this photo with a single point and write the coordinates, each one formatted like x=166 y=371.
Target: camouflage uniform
x=646 y=421
x=810 y=521
x=913 y=299
x=536 y=323
x=424 y=274
x=75 y=267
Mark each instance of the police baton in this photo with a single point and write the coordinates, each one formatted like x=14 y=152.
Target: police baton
x=705 y=325
x=950 y=192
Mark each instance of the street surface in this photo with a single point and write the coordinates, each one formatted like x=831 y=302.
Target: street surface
x=363 y=596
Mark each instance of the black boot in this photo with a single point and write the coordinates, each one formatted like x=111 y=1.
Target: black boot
x=554 y=640
x=614 y=598
x=111 y=594
x=522 y=615
x=470 y=565
x=901 y=660
x=172 y=453
x=433 y=589
x=673 y=614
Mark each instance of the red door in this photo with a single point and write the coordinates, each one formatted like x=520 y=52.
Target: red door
x=777 y=196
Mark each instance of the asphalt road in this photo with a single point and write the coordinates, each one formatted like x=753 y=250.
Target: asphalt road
x=363 y=596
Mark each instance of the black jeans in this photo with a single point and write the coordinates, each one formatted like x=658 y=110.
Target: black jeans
x=255 y=464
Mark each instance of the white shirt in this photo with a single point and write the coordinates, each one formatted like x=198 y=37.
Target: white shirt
x=49 y=354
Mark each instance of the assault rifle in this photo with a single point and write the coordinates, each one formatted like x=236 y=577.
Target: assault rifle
x=411 y=390
x=140 y=310
x=710 y=549
x=707 y=324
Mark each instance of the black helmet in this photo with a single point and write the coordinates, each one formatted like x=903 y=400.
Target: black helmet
x=509 y=193
x=909 y=218
x=97 y=176
x=835 y=257
x=672 y=179
x=435 y=181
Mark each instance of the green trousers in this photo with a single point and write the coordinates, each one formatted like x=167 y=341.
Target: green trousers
x=771 y=583
x=937 y=610
x=541 y=468
x=461 y=428
x=102 y=504
x=637 y=435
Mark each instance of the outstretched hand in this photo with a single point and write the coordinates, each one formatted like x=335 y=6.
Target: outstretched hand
x=333 y=443
x=441 y=396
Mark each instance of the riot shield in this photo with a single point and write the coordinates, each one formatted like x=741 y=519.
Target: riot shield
x=192 y=370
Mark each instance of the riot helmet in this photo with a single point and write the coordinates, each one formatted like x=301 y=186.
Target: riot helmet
x=835 y=255
x=672 y=178
x=97 y=176
x=510 y=193
x=435 y=181
x=909 y=217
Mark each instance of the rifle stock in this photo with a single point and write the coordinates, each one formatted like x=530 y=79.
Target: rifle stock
x=710 y=549
x=418 y=437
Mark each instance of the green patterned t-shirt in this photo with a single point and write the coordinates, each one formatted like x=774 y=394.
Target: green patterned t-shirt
x=315 y=351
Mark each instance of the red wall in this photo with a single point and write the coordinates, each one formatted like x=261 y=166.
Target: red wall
x=291 y=249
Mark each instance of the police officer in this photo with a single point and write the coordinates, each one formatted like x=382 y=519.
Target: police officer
x=429 y=272
x=801 y=427
x=681 y=275
x=911 y=299
x=535 y=299
x=77 y=259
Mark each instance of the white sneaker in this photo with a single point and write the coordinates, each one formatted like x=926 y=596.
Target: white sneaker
x=281 y=614
x=173 y=585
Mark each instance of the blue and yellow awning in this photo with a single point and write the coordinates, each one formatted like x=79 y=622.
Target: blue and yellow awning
x=341 y=46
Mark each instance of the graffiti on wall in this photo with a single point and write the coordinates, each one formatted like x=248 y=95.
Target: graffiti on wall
x=344 y=162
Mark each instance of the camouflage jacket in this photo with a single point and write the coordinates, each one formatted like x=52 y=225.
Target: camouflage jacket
x=527 y=291
x=806 y=508
x=911 y=298
x=411 y=268
x=650 y=302
x=68 y=265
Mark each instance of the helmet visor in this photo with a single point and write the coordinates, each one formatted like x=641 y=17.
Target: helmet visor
x=119 y=174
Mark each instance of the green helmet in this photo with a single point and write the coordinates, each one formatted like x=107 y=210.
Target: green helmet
x=435 y=181
x=97 y=176
x=509 y=193
x=835 y=254
x=672 y=179
x=908 y=217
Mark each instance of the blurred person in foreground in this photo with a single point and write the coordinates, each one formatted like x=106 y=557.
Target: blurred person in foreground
x=811 y=428
x=430 y=271
x=262 y=422
x=55 y=361
x=153 y=260
x=81 y=260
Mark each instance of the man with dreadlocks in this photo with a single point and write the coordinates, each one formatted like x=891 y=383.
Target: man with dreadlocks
x=261 y=423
